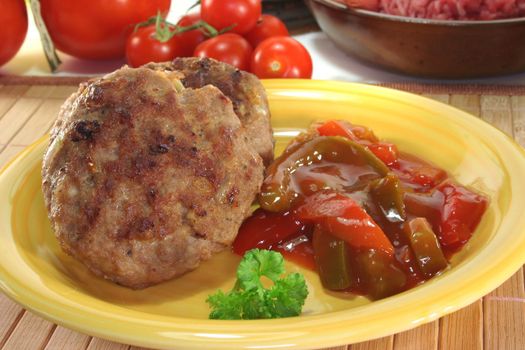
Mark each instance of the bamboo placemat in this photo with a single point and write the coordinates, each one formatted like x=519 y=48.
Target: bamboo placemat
x=418 y=88
x=497 y=321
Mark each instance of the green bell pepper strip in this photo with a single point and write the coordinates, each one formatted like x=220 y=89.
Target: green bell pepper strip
x=332 y=258
x=277 y=194
x=425 y=245
x=379 y=275
x=387 y=193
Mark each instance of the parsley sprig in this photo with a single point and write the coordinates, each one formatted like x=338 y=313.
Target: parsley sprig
x=249 y=299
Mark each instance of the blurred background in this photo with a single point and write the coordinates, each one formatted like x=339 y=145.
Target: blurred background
x=329 y=62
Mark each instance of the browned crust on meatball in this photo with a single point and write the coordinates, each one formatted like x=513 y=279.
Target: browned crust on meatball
x=143 y=182
x=244 y=90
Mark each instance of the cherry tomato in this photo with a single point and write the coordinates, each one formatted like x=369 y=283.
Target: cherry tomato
x=281 y=57
x=267 y=26
x=143 y=47
x=188 y=41
x=225 y=13
x=14 y=28
x=229 y=48
x=96 y=29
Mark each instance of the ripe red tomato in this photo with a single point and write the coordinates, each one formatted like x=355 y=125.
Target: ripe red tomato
x=229 y=48
x=281 y=57
x=14 y=28
x=96 y=29
x=224 y=13
x=266 y=27
x=189 y=40
x=143 y=47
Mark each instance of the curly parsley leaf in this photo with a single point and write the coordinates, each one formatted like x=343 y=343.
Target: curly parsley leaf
x=286 y=297
x=249 y=299
x=257 y=263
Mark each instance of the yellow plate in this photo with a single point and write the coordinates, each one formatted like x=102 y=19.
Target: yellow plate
x=35 y=273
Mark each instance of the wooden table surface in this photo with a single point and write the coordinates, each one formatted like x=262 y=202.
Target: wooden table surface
x=495 y=322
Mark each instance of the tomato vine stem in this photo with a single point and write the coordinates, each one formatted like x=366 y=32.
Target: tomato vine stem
x=49 y=48
x=165 y=30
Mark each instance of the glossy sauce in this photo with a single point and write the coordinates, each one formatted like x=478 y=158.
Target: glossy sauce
x=427 y=190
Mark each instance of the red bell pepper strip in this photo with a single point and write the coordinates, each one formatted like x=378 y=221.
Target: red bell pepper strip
x=460 y=215
x=336 y=128
x=265 y=230
x=385 y=151
x=342 y=217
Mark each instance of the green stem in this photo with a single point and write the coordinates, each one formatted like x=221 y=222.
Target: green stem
x=227 y=29
x=210 y=31
x=49 y=48
x=162 y=29
x=165 y=30
x=197 y=3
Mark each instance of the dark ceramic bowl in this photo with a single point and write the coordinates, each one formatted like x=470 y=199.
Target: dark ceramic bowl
x=422 y=47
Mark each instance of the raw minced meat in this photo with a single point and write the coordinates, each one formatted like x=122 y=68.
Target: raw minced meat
x=445 y=9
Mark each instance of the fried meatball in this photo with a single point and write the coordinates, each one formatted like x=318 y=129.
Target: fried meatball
x=144 y=179
x=244 y=90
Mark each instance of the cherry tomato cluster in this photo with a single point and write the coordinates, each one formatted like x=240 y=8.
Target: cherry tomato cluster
x=87 y=29
x=14 y=27
x=231 y=31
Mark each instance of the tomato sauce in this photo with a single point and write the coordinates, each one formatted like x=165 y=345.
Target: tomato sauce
x=452 y=210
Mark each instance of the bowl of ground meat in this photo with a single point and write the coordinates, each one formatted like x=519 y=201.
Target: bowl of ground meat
x=444 y=39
